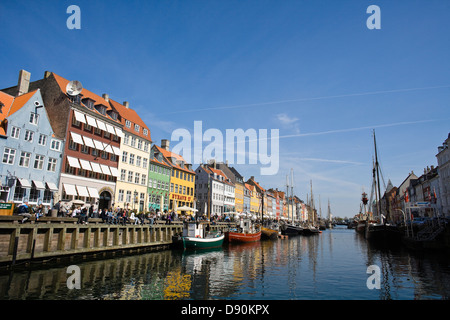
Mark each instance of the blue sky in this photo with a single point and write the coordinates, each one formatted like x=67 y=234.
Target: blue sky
x=311 y=69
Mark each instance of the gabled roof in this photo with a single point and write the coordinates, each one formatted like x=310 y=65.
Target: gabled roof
x=20 y=101
x=6 y=100
x=131 y=115
x=168 y=155
x=11 y=106
x=98 y=100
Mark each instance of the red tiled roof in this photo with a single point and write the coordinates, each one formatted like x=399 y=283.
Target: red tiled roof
x=131 y=115
x=7 y=102
x=98 y=100
x=169 y=154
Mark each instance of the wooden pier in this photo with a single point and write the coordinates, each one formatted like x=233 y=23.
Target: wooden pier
x=64 y=238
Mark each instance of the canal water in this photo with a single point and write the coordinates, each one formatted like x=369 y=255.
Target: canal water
x=332 y=265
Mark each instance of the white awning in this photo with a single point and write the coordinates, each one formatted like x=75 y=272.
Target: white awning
x=79 y=116
x=105 y=169
x=73 y=162
x=119 y=132
x=114 y=171
x=107 y=148
x=110 y=128
x=77 y=138
x=70 y=189
x=93 y=192
x=116 y=151
x=39 y=184
x=91 y=121
x=24 y=183
x=101 y=125
x=88 y=142
x=85 y=165
x=96 y=167
x=98 y=145
x=51 y=186
x=82 y=191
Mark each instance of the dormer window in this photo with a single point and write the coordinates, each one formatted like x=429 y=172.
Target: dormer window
x=101 y=109
x=113 y=115
x=136 y=127
x=89 y=103
x=145 y=132
x=128 y=123
x=75 y=99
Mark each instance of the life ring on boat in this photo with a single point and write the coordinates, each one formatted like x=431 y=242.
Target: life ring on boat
x=197 y=236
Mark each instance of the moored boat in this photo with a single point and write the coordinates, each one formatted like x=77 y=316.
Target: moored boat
x=268 y=233
x=197 y=235
x=247 y=231
x=310 y=230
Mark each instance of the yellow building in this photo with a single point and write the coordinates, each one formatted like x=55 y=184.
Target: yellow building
x=131 y=187
x=182 y=181
x=254 y=201
x=239 y=197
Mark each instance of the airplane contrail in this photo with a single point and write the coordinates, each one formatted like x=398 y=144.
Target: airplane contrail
x=307 y=99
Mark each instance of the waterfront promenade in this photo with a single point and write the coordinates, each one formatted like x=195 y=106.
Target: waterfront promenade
x=58 y=238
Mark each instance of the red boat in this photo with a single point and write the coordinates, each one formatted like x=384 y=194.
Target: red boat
x=246 y=232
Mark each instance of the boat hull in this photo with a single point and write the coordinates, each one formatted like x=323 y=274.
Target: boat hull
x=310 y=231
x=267 y=233
x=361 y=227
x=203 y=243
x=383 y=234
x=242 y=237
x=291 y=230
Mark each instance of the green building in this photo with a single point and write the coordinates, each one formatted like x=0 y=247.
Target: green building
x=158 y=182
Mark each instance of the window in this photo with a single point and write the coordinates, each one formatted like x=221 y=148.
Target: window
x=144 y=163
x=150 y=182
x=24 y=160
x=136 y=127
x=104 y=155
x=34 y=118
x=146 y=145
x=123 y=174
x=171 y=187
x=29 y=135
x=138 y=161
x=121 y=195
x=75 y=122
x=38 y=162
x=137 y=178
x=72 y=145
x=9 y=155
x=85 y=149
x=128 y=123
x=128 y=196
x=87 y=127
x=124 y=156
x=15 y=132
x=131 y=158
x=133 y=141
x=130 y=176
x=51 y=166
x=145 y=131
x=144 y=179
x=126 y=139
x=42 y=139
x=139 y=143
x=55 y=145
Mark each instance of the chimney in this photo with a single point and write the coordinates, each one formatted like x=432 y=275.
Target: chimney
x=106 y=97
x=47 y=74
x=165 y=144
x=126 y=104
x=24 y=82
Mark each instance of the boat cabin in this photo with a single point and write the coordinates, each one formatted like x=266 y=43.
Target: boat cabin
x=195 y=229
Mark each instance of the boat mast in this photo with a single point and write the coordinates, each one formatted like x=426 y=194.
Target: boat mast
x=292 y=194
x=312 y=204
x=378 y=178
x=287 y=194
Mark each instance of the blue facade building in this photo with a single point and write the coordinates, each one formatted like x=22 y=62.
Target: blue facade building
x=30 y=163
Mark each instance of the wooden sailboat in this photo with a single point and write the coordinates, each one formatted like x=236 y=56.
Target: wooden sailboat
x=311 y=229
x=289 y=228
x=380 y=231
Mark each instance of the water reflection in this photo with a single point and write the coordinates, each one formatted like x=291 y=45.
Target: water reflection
x=331 y=265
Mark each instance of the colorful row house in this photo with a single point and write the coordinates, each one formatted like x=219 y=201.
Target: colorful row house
x=31 y=152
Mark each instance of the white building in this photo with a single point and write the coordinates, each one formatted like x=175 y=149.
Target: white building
x=443 y=159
